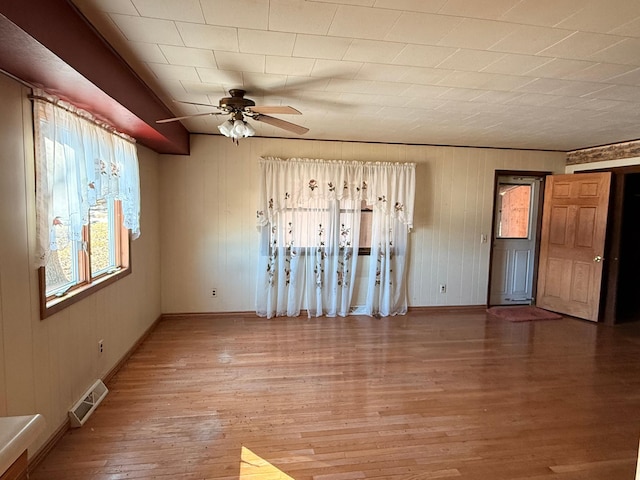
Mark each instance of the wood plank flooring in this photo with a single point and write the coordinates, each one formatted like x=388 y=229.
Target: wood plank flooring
x=425 y=396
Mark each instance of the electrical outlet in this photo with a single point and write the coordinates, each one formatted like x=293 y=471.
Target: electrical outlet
x=443 y=288
x=214 y=292
x=100 y=346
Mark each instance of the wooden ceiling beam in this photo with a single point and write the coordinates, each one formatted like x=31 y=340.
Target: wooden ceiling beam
x=50 y=45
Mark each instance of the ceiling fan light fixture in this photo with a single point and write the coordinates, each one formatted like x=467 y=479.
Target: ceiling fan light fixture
x=226 y=128
x=236 y=129
x=248 y=130
x=239 y=129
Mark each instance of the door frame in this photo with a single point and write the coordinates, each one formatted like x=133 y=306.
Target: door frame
x=538 y=221
x=608 y=298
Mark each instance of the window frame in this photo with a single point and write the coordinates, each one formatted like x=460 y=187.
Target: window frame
x=49 y=305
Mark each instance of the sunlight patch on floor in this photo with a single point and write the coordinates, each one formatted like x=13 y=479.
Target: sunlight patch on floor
x=253 y=467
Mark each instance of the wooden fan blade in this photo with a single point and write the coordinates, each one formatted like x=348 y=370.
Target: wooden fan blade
x=281 y=109
x=174 y=119
x=276 y=122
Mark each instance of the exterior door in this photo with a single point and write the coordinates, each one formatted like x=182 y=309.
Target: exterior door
x=574 y=224
x=514 y=240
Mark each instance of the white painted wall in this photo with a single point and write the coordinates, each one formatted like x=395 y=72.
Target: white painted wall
x=209 y=199
x=45 y=366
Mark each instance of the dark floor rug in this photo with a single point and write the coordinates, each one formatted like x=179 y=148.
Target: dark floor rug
x=522 y=313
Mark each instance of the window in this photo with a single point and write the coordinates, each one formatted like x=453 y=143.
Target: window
x=514 y=203
x=102 y=254
x=318 y=204
x=307 y=224
x=87 y=198
x=366 y=226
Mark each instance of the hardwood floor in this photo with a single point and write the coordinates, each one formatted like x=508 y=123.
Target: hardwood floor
x=424 y=396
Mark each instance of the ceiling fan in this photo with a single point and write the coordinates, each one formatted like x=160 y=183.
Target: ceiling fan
x=238 y=107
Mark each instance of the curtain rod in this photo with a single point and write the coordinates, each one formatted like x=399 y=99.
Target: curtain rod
x=332 y=161
x=79 y=112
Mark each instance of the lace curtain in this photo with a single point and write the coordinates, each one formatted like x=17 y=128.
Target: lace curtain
x=309 y=220
x=79 y=162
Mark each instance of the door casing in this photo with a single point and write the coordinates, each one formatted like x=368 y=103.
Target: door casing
x=538 y=221
x=609 y=307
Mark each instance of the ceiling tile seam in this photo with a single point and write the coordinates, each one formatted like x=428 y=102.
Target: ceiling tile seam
x=625 y=24
x=511 y=8
x=354 y=61
x=478 y=99
x=392 y=26
x=503 y=52
x=555 y=26
x=605 y=81
x=204 y=17
x=517 y=89
x=333 y=18
x=491 y=48
x=502 y=19
x=458 y=49
x=119 y=30
x=481 y=92
x=237 y=41
x=615 y=45
x=591 y=56
x=592 y=95
x=484 y=69
x=134 y=7
x=626 y=73
x=574 y=33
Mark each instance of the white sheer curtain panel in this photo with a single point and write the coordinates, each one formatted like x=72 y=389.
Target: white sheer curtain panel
x=309 y=220
x=79 y=162
x=393 y=202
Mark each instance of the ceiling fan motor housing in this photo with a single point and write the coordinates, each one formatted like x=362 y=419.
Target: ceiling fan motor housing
x=236 y=102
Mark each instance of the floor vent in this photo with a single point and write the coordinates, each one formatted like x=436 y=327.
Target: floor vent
x=82 y=410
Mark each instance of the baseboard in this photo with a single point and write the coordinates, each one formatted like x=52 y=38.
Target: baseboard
x=175 y=316
x=251 y=314
x=111 y=373
x=449 y=309
x=41 y=454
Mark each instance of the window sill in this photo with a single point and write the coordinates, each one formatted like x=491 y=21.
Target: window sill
x=54 y=305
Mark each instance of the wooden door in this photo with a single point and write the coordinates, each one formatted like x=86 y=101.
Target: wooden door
x=574 y=223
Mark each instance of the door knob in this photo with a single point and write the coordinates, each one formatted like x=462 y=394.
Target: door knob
x=598 y=259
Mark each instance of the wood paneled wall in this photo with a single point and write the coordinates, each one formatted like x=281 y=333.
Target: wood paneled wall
x=45 y=366
x=209 y=238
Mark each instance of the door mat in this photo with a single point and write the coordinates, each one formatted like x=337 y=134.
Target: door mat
x=523 y=313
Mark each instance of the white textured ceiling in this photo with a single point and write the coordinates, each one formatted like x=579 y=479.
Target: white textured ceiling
x=538 y=74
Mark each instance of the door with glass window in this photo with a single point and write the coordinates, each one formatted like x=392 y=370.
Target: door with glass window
x=514 y=240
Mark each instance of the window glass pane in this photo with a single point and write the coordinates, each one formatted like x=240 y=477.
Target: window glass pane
x=61 y=271
x=307 y=227
x=366 y=222
x=513 y=210
x=102 y=237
